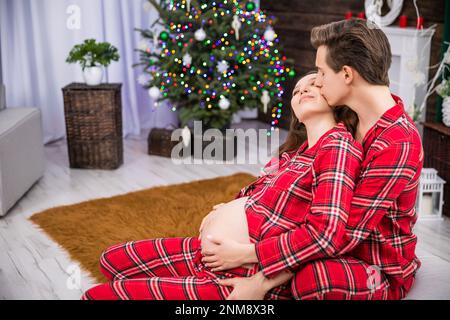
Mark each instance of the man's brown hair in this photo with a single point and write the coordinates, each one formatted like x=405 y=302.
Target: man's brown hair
x=356 y=43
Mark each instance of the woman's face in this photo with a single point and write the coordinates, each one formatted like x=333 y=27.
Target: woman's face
x=307 y=102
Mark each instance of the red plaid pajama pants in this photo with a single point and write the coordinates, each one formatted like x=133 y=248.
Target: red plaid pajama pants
x=161 y=269
x=171 y=269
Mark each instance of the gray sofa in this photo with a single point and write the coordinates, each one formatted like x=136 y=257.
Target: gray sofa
x=21 y=152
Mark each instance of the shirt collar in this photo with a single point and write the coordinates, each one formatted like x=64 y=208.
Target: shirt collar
x=340 y=127
x=391 y=115
x=386 y=120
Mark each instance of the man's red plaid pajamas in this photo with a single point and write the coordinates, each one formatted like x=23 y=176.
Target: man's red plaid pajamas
x=377 y=249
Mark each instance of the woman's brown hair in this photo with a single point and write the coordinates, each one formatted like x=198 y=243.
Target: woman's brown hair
x=297 y=130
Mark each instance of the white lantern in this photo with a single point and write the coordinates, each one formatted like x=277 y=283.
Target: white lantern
x=430 y=198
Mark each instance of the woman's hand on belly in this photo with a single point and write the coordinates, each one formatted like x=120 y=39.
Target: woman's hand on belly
x=225 y=254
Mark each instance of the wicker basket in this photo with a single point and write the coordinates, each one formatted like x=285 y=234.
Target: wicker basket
x=94 y=125
x=159 y=142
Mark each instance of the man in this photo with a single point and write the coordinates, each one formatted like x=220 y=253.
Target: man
x=378 y=260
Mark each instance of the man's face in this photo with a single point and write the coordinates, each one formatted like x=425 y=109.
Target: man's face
x=333 y=85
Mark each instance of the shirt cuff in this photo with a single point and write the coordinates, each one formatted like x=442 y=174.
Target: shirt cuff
x=269 y=257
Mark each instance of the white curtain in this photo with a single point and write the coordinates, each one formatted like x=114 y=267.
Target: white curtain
x=36 y=39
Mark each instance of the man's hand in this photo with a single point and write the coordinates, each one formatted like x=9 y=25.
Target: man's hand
x=226 y=254
x=251 y=288
x=254 y=287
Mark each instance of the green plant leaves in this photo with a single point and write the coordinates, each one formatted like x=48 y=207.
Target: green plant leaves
x=90 y=54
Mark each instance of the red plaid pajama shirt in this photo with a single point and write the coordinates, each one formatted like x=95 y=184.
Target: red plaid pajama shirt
x=295 y=195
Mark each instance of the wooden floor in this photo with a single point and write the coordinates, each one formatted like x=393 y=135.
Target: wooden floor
x=34 y=267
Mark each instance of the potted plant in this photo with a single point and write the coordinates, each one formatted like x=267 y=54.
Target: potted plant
x=93 y=56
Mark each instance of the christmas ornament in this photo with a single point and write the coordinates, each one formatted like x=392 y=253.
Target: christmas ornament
x=200 y=35
x=187 y=59
x=154 y=92
x=164 y=36
x=265 y=99
x=236 y=25
x=188 y=3
x=224 y=103
x=250 y=6
x=270 y=34
x=222 y=66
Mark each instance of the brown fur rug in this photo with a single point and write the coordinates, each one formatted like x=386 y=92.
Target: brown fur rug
x=87 y=228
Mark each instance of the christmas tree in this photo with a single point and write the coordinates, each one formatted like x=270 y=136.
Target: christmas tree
x=212 y=59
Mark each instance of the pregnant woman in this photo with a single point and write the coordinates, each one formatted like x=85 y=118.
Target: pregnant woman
x=299 y=205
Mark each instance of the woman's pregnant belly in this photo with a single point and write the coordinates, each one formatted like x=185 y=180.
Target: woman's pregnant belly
x=228 y=221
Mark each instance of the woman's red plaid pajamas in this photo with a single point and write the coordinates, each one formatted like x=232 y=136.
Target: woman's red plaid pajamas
x=164 y=269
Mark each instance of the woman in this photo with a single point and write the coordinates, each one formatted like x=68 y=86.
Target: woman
x=284 y=213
